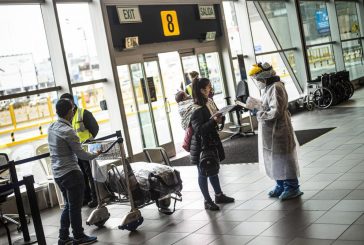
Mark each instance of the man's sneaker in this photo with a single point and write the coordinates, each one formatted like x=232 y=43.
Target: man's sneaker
x=290 y=194
x=85 y=240
x=276 y=192
x=92 y=204
x=211 y=206
x=222 y=198
x=67 y=241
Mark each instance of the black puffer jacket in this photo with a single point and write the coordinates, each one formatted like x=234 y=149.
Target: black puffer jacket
x=206 y=128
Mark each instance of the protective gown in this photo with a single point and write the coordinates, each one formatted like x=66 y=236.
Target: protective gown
x=277 y=143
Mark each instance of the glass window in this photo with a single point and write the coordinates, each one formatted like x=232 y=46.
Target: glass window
x=316 y=23
x=261 y=42
x=232 y=28
x=79 y=42
x=276 y=14
x=277 y=21
x=280 y=68
x=23 y=129
x=321 y=60
x=316 y=28
x=348 y=20
x=91 y=97
x=353 y=58
x=349 y=28
x=24 y=57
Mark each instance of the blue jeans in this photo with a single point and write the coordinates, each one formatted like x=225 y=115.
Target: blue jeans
x=72 y=186
x=288 y=184
x=202 y=182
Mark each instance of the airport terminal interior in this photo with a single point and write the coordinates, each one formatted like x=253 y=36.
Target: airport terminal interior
x=125 y=61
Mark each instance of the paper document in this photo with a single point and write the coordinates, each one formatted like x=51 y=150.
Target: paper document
x=224 y=110
x=251 y=103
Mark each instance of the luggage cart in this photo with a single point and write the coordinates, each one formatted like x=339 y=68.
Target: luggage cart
x=114 y=162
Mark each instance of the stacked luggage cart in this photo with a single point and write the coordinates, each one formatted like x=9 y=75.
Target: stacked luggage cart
x=328 y=90
x=137 y=184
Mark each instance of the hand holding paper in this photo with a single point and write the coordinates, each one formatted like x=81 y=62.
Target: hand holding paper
x=251 y=104
x=223 y=111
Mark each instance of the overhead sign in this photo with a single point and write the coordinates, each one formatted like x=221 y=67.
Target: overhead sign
x=129 y=15
x=131 y=42
x=161 y=23
x=170 y=23
x=210 y=36
x=206 y=12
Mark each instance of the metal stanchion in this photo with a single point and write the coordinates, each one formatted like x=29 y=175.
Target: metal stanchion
x=33 y=202
x=19 y=203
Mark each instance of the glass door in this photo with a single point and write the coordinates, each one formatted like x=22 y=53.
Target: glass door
x=173 y=81
x=155 y=93
x=210 y=68
x=145 y=107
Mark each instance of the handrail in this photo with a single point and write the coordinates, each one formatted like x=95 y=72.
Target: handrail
x=29 y=93
x=320 y=44
x=276 y=51
x=75 y=85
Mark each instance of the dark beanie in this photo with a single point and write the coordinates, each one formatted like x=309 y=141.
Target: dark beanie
x=63 y=106
x=67 y=96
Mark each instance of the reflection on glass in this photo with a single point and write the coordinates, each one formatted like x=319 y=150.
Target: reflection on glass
x=353 y=58
x=348 y=20
x=131 y=110
x=142 y=105
x=190 y=64
x=321 y=59
x=24 y=57
x=316 y=23
x=232 y=28
x=281 y=70
x=174 y=81
x=210 y=68
x=89 y=97
x=276 y=14
x=262 y=42
x=157 y=101
x=79 y=42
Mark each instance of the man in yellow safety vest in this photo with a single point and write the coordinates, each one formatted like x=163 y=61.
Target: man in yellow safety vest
x=86 y=127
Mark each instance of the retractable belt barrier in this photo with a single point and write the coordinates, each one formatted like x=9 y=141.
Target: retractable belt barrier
x=28 y=181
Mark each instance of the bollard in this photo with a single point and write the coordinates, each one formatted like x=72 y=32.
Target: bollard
x=12 y=137
x=37 y=220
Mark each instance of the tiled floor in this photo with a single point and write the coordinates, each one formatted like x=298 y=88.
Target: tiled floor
x=330 y=212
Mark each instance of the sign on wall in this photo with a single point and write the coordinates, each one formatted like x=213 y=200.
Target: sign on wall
x=206 y=12
x=129 y=15
x=170 y=23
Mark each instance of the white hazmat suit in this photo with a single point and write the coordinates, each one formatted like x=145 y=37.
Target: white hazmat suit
x=276 y=139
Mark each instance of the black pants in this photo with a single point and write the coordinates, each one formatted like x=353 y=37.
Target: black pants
x=90 y=192
x=71 y=185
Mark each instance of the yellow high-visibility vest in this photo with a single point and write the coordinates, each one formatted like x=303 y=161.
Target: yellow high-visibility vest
x=189 y=89
x=79 y=126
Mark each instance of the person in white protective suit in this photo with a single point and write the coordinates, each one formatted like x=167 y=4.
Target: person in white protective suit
x=277 y=145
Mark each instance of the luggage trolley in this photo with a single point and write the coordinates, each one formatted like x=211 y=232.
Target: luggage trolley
x=139 y=185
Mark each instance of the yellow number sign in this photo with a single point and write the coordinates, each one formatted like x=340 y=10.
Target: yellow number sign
x=170 y=23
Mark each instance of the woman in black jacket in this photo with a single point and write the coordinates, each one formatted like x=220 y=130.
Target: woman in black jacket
x=205 y=131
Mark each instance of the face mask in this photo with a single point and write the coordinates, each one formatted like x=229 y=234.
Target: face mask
x=261 y=85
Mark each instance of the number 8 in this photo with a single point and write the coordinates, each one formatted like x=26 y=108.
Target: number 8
x=170 y=23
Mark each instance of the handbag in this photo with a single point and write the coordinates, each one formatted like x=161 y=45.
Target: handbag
x=209 y=161
x=187 y=139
